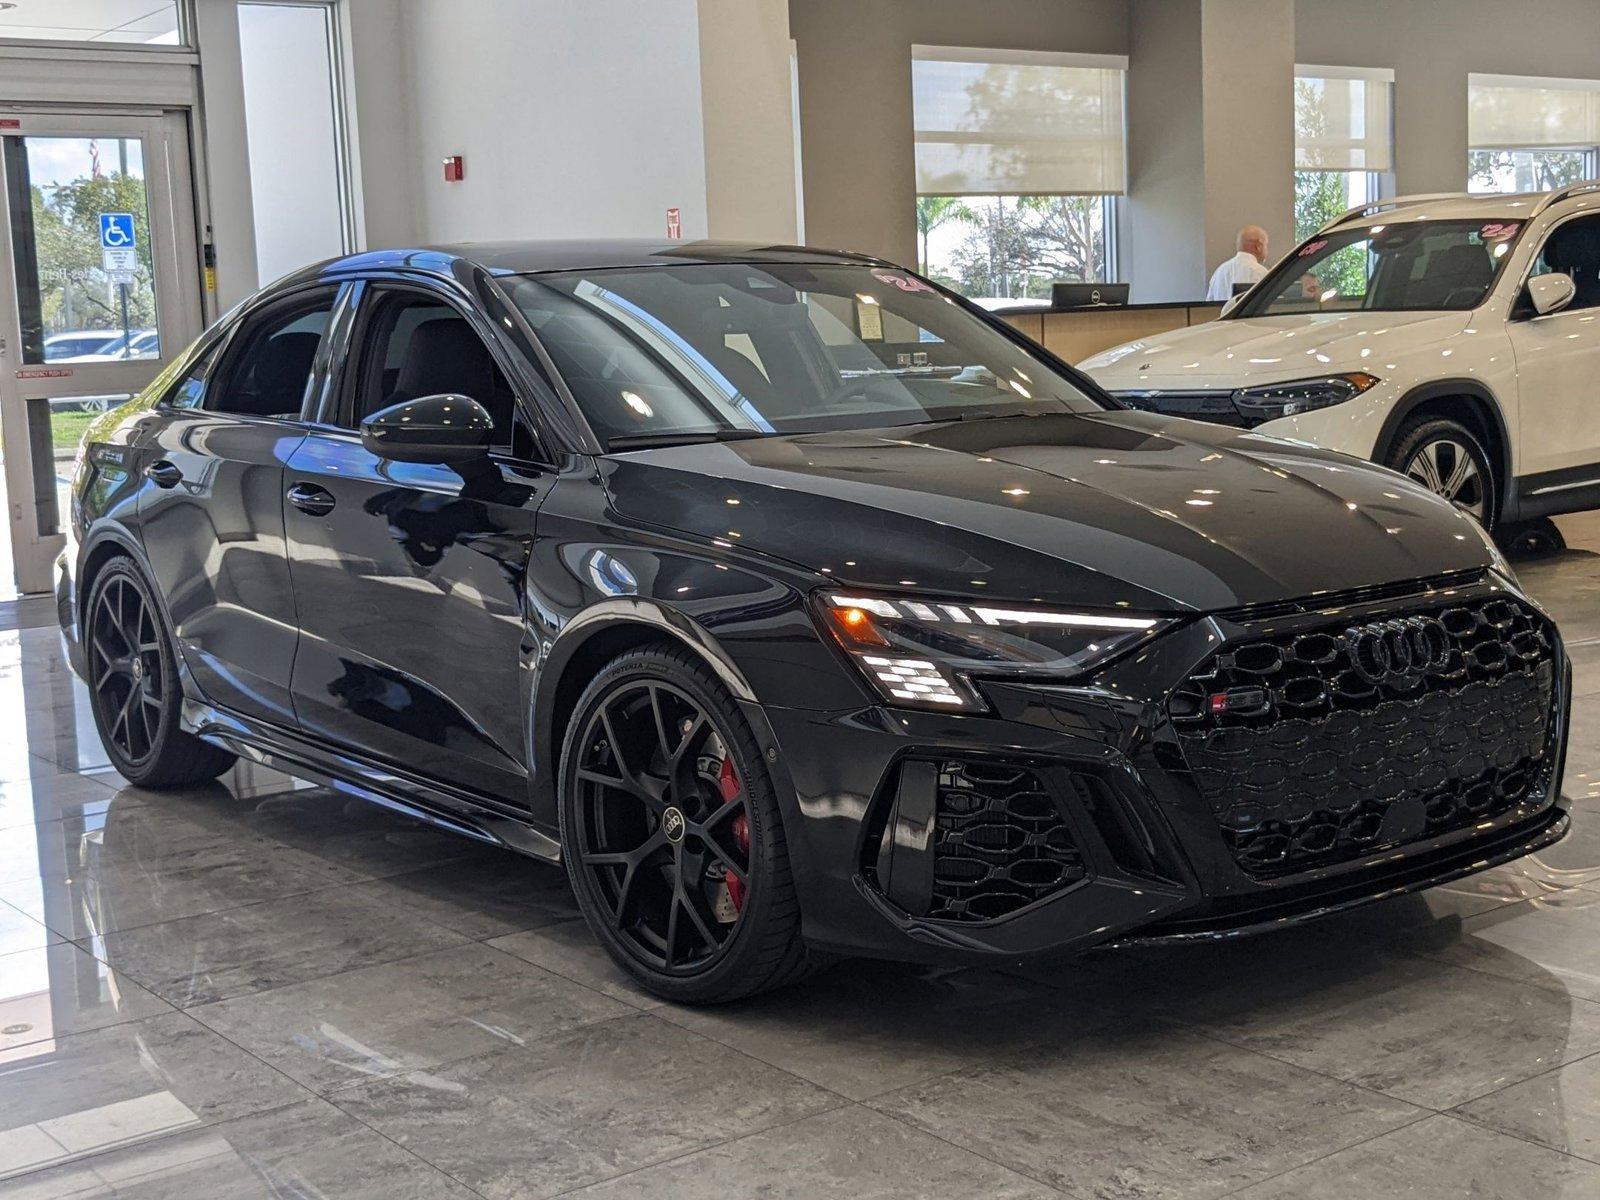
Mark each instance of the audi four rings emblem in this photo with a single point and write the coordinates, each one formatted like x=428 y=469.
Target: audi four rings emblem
x=1407 y=648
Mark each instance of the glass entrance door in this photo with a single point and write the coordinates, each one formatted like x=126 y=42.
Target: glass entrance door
x=99 y=286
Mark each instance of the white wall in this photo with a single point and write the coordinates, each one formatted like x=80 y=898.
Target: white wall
x=289 y=122
x=575 y=119
x=748 y=102
x=1431 y=47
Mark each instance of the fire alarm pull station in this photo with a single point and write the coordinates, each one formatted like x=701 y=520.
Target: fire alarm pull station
x=454 y=169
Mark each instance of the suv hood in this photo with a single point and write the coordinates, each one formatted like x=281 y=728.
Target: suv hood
x=1231 y=353
x=1100 y=510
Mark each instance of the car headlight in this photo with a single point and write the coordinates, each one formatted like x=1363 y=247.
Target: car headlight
x=925 y=653
x=1271 y=401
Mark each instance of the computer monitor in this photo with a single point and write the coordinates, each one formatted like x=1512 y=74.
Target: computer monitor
x=1240 y=289
x=1088 y=295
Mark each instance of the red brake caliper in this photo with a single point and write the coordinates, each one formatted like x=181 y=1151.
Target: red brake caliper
x=728 y=785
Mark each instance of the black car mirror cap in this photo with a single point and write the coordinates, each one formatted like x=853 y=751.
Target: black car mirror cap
x=447 y=428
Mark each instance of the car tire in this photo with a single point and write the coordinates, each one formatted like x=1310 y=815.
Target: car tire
x=652 y=845
x=134 y=689
x=1450 y=460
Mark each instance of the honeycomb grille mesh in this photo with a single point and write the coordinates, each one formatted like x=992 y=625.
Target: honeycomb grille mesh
x=1000 y=841
x=1317 y=753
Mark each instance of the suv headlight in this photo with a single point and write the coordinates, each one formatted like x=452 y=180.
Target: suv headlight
x=1274 y=400
x=924 y=653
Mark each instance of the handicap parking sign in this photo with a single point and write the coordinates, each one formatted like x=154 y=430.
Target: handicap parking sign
x=116 y=231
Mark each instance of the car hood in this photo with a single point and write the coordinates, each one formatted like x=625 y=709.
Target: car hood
x=1108 y=509
x=1229 y=353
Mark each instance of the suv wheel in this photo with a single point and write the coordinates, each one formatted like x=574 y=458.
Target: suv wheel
x=671 y=832
x=1448 y=458
x=133 y=682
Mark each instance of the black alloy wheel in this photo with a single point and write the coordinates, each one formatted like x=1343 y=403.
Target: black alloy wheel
x=664 y=825
x=671 y=833
x=132 y=675
x=126 y=673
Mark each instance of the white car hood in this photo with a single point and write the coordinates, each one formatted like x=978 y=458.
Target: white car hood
x=1269 y=349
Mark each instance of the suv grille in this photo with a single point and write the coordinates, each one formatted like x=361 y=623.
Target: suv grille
x=1319 y=746
x=1000 y=842
x=1216 y=407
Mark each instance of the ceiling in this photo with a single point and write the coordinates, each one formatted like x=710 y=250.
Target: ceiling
x=138 y=21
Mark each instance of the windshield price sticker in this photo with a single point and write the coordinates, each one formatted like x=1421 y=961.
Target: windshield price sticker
x=1313 y=247
x=1497 y=231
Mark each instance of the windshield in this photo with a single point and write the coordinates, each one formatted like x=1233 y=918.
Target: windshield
x=1417 y=265
x=745 y=350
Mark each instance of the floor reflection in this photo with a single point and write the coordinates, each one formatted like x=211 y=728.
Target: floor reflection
x=263 y=987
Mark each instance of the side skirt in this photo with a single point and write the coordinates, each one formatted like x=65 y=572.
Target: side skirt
x=470 y=816
x=1572 y=489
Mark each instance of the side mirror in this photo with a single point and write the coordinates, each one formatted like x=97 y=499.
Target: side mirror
x=1551 y=292
x=430 y=429
x=1231 y=303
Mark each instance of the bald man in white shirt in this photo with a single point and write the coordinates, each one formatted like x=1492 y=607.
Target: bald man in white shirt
x=1249 y=265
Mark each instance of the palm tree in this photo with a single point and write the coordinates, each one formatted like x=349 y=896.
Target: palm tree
x=934 y=211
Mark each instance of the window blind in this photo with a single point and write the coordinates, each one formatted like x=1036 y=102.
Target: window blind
x=1014 y=122
x=1506 y=112
x=1342 y=119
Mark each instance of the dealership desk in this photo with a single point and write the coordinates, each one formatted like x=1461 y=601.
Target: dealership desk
x=1076 y=333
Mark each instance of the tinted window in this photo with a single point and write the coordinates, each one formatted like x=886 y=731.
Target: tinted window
x=1573 y=249
x=190 y=391
x=1416 y=265
x=266 y=375
x=766 y=348
x=415 y=345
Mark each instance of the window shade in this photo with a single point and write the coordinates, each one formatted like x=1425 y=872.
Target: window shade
x=1012 y=122
x=1342 y=119
x=1506 y=112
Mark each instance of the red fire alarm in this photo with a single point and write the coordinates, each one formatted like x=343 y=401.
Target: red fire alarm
x=454 y=169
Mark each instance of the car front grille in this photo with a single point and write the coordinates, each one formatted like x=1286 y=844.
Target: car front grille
x=1216 y=407
x=1325 y=744
x=1000 y=841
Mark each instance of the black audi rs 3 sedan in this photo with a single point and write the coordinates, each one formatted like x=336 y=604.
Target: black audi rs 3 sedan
x=798 y=608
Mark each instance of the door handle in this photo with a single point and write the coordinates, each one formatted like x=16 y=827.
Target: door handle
x=163 y=474
x=310 y=499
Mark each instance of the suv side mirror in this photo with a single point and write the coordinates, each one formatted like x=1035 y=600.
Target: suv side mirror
x=1231 y=303
x=442 y=429
x=1551 y=292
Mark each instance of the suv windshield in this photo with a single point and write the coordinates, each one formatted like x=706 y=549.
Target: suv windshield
x=737 y=350
x=1416 y=265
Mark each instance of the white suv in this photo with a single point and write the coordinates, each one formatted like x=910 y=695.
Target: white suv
x=1454 y=338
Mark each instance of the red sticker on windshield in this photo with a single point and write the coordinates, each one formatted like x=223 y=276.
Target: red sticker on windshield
x=1498 y=231
x=904 y=282
x=1313 y=247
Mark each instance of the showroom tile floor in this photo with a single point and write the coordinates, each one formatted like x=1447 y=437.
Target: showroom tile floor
x=263 y=989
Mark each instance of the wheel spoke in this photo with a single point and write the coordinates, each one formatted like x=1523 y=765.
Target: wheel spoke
x=124 y=711
x=661 y=722
x=627 y=778
x=729 y=863
x=1462 y=474
x=671 y=955
x=683 y=763
x=1425 y=467
x=702 y=926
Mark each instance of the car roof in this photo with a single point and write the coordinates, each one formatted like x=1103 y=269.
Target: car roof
x=1516 y=206
x=532 y=257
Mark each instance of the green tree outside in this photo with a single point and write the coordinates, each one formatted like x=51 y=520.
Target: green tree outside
x=74 y=292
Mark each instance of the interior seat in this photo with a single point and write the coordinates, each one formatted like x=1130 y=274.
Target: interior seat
x=278 y=379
